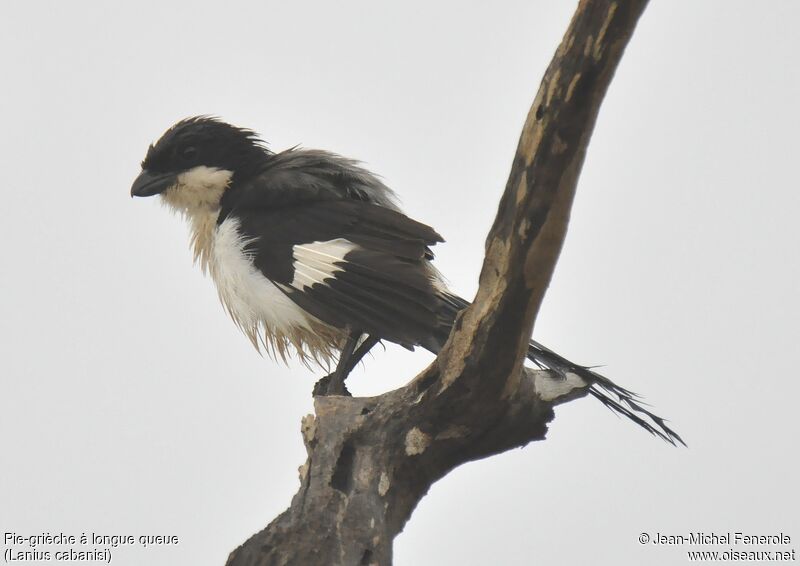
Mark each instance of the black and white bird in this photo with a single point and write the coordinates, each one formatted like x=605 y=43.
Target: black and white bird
x=311 y=254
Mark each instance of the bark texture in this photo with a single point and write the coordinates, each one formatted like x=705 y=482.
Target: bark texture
x=370 y=460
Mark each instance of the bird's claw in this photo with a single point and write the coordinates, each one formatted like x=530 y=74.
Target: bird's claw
x=330 y=385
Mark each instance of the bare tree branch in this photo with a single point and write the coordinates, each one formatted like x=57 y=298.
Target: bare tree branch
x=370 y=460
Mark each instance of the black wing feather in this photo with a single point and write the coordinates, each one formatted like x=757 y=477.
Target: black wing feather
x=306 y=176
x=383 y=287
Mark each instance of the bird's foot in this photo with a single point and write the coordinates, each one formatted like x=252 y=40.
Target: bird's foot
x=330 y=385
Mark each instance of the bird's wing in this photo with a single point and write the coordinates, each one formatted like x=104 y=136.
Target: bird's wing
x=308 y=175
x=352 y=264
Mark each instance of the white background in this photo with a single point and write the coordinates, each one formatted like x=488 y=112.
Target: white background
x=131 y=404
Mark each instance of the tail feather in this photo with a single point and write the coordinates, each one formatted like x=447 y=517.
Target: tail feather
x=618 y=399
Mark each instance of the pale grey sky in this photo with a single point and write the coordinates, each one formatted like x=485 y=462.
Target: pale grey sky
x=132 y=405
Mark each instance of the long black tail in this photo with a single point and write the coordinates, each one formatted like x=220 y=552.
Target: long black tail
x=620 y=400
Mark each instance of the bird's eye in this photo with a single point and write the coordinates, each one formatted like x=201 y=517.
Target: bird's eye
x=189 y=153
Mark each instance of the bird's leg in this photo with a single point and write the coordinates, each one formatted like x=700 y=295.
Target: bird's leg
x=333 y=384
x=361 y=351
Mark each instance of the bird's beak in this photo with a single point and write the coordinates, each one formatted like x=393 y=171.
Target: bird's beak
x=148 y=184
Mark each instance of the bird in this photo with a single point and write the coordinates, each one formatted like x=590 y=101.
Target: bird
x=312 y=255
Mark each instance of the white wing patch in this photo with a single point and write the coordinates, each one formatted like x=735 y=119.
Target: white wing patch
x=315 y=263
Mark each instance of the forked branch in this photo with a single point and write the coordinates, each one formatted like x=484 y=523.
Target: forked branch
x=370 y=460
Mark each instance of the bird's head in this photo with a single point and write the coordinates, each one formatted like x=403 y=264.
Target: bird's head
x=196 y=160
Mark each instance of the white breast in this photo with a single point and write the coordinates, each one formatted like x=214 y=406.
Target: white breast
x=264 y=313
x=253 y=301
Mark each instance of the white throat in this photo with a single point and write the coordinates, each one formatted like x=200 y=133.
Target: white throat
x=262 y=310
x=197 y=189
x=196 y=195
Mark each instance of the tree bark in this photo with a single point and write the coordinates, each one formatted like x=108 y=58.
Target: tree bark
x=370 y=460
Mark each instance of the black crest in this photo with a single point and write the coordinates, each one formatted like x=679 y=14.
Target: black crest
x=206 y=140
